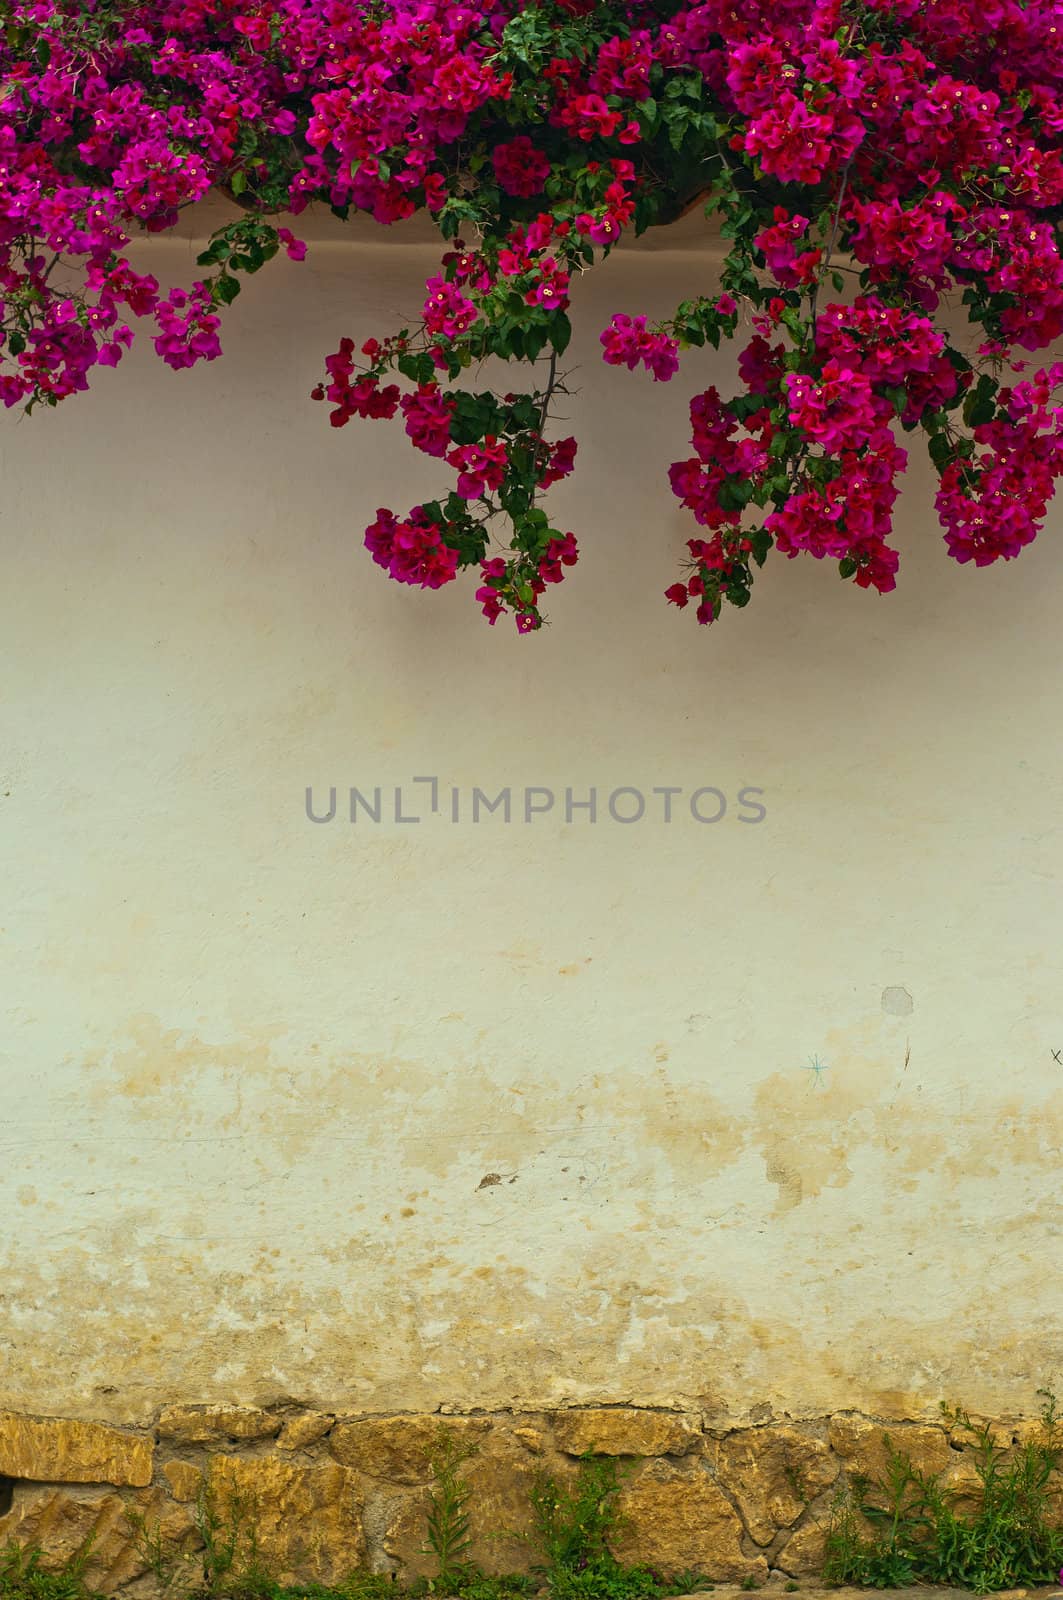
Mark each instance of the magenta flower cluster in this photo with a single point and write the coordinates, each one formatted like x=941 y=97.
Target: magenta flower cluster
x=878 y=165
x=627 y=342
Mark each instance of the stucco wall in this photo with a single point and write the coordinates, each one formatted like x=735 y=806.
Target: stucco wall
x=257 y=1070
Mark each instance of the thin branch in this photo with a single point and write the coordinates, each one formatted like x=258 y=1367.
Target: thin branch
x=551 y=385
x=830 y=246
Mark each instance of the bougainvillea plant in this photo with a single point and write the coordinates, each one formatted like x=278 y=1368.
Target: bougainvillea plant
x=888 y=174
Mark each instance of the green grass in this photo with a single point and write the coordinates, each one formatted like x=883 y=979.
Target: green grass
x=358 y=1586
x=472 y=1584
x=226 y=1563
x=23 y=1578
x=573 y=1529
x=907 y=1528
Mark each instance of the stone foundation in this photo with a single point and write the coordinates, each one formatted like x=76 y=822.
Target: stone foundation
x=337 y=1492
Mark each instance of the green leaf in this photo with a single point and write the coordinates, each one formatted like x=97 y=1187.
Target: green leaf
x=560 y=332
x=217 y=250
x=980 y=405
x=226 y=289
x=898 y=396
x=238 y=182
x=455 y=508
x=744 y=405
x=474 y=416
x=734 y=493
x=760 y=543
x=534 y=341
x=16 y=343
x=941 y=450
x=419 y=368
x=978 y=413
x=846 y=567
x=249 y=260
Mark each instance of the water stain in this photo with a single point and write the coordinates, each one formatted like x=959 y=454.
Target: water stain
x=323 y=1222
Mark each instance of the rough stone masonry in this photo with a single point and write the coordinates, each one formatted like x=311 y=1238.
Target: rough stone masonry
x=336 y=1492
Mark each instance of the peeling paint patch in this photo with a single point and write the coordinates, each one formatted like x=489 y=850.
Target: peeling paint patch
x=897 y=1002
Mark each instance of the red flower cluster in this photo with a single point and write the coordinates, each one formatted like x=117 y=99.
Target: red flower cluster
x=412 y=551
x=362 y=398
x=627 y=342
x=520 y=168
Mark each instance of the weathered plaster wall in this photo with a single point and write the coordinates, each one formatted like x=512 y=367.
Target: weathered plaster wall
x=257 y=1071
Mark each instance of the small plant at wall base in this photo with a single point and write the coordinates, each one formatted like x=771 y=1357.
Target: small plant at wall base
x=448 y=1531
x=24 y=1577
x=227 y=1524
x=573 y=1527
x=448 y=1536
x=909 y=151
x=224 y=1564
x=918 y=1535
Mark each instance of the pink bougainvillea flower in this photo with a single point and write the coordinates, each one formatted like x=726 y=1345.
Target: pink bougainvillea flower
x=920 y=155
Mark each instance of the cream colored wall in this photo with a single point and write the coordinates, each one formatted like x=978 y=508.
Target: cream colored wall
x=256 y=1070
